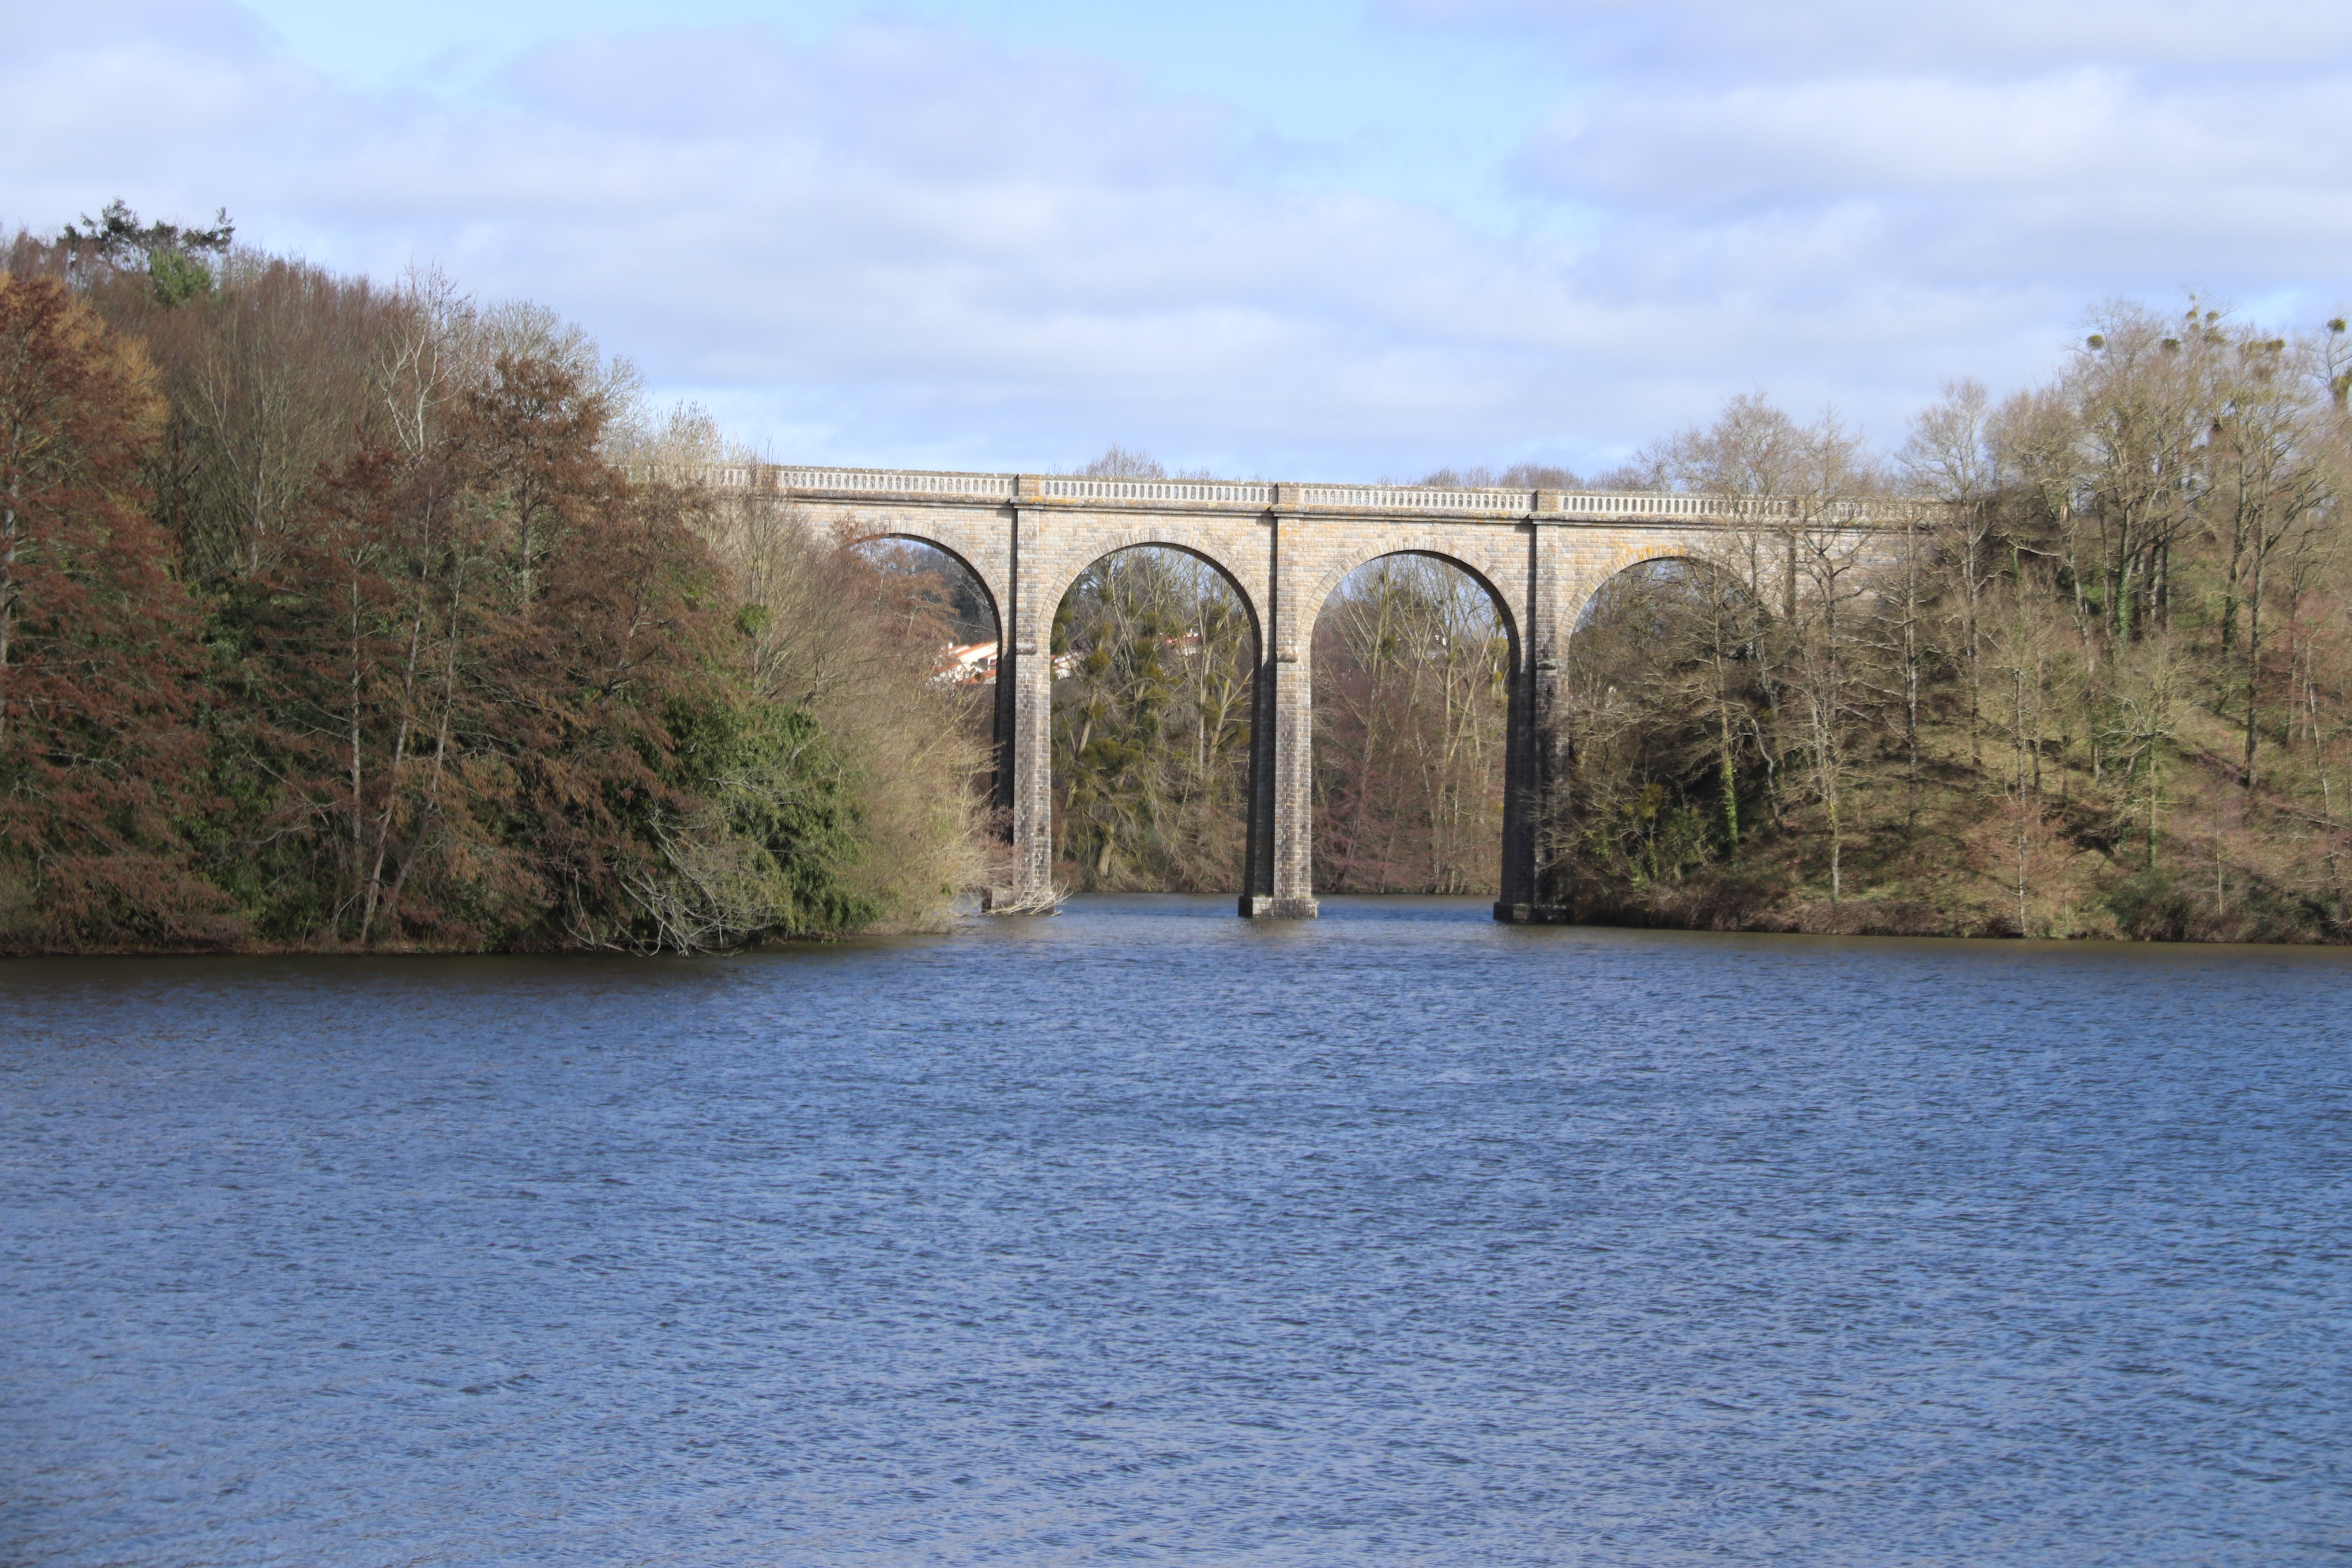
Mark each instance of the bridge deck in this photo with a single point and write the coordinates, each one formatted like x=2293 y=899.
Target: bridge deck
x=916 y=485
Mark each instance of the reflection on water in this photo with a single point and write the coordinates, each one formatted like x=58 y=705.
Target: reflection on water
x=1147 y=1233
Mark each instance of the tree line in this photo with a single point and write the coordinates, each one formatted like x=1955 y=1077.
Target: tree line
x=2101 y=685
x=330 y=618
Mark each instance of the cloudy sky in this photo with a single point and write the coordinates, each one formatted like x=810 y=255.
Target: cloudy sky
x=1328 y=238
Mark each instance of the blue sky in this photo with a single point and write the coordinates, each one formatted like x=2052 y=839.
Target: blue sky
x=1321 y=239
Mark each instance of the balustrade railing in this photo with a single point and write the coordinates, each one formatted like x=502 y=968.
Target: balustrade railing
x=1415 y=497
x=895 y=481
x=1182 y=492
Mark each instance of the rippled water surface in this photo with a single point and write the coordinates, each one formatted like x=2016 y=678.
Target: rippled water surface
x=1146 y=1235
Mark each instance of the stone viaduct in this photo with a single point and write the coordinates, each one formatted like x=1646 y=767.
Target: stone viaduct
x=1285 y=548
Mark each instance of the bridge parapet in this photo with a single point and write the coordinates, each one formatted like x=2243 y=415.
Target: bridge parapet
x=1259 y=495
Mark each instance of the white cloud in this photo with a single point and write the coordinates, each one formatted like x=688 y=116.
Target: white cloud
x=909 y=243
x=1972 y=37
x=1838 y=138
x=1958 y=176
x=2079 y=180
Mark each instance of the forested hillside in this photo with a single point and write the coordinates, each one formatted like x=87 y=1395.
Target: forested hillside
x=329 y=617
x=2103 y=688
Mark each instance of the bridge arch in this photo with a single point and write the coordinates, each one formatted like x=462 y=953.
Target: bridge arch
x=997 y=595
x=1154 y=702
x=1415 y=688
x=1697 y=568
x=1666 y=551
x=1096 y=545
x=1662 y=685
x=1632 y=555
x=1318 y=599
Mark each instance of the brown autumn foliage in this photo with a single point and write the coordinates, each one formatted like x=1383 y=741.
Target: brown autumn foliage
x=346 y=628
x=99 y=759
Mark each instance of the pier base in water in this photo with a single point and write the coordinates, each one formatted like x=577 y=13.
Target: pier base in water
x=1262 y=907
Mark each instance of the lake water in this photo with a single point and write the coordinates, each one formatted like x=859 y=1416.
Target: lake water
x=1148 y=1235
